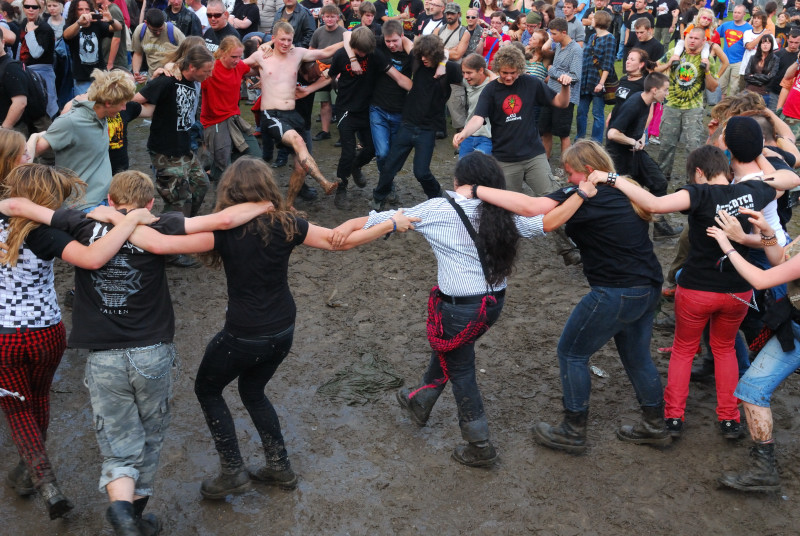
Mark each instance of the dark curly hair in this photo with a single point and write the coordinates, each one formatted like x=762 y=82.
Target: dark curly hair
x=497 y=231
x=429 y=46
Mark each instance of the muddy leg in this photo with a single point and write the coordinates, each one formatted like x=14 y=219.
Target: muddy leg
x=759 y=421
x=306 y=161
x=295 y=182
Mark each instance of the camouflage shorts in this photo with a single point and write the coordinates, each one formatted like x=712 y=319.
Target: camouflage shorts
x=794 y=124
x=181 y=182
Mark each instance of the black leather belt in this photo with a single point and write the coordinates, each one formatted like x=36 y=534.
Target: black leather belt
x=22 y=329
x=469 y=300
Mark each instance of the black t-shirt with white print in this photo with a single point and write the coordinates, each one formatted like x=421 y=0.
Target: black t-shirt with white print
x=176 y=109
x=126 y=303
x=509 y=109
x=85 y=50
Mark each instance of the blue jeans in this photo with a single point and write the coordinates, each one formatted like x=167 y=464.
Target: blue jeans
x=598 y=115
x=130 y=390
x=626 y=314
x=475 y=143
x=770 y=368
x=384 y=126
x=423 y=142
x=253 y=360
x=460 y=365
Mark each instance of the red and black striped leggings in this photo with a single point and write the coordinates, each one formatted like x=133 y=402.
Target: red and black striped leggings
x=28 y=362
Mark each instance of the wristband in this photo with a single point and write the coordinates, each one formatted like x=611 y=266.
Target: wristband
x=475 y=191
x=583 y=195
x=727 y=253
x=769 y=240
x=611 y=180
x=386 y=237
x=442 y=63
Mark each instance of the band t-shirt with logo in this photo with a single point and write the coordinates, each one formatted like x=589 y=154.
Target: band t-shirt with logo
x=730 y=36
x=688 y=81
x=387 y=94
x=85 y=49
x=176 y=109
x=510 y=111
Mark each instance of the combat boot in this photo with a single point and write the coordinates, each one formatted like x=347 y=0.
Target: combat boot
x=569 y=436
x=651 y=430
x=762 y=476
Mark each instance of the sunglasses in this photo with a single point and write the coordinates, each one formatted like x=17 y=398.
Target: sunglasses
x=30 y=7
x=471 y=17
x=213 y=15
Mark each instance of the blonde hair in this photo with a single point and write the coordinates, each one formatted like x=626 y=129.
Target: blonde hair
x=705 y=11
x=131 y=188
x=229 y=43
x=589 y=153
x=12 y=146
x=112 y=87
x=45 y=186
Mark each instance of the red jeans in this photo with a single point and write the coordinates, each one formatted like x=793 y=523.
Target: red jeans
x=724 y=314
x=28 y=362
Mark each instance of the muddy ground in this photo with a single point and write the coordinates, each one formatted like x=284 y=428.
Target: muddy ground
x=367 y=470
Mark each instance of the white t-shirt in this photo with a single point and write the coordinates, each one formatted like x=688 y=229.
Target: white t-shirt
x=749 y=37
x=201 y=14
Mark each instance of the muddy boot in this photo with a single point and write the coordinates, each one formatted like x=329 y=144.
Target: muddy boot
x=120 y=515
x=420 y=405
x=283 y=478
x=57 y=504
x=662 y=229
x=762 y=476
x=570 y=435
x=651 y=430
x=703 y=371
x=148 y=524
x=479 y=454
x=19 y=479
x=227 y=483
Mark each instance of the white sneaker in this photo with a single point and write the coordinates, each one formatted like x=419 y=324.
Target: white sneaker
x=654 y=140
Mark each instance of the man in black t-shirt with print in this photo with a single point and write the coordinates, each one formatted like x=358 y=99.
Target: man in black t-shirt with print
x=13 y=91
x=626 y=140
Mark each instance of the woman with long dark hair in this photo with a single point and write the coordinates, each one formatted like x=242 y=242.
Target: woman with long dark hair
x=637 y=66
x=625 y=278
x=762 y=68
x=470 y=293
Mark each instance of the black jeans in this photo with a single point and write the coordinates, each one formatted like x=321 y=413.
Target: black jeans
x=350 y=125
x=253 y=360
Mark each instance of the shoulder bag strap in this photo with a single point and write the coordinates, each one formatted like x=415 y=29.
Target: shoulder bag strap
x=472 y=233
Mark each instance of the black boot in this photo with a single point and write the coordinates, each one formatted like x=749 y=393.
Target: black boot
x=703 y=371
x=420 y=405
x=570 y=435
x=478 y=454
x=284 y=478
x=762 y=476
x=19 y=479
x=663 y=229
x=120 y=515
x=651 y=430
x=57 y=504
x=229 y=481
x=148 y=524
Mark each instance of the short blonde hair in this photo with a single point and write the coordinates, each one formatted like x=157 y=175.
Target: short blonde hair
x=112 y=87
x=131 y=188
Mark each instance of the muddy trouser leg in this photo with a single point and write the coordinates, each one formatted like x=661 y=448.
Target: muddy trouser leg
x=172 y=182
x=28 y=362
x=670 y=135
x=198 y=184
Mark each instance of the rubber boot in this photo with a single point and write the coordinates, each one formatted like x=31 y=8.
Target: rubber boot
x=478 y=454
x=230 y=481
x=420 y=405
x=762 y=476
x=651 y=430
x=120 y=515
x=662 y=229
x=148 y=524
x=569 y=436
x=57 y=504
x=19 y=479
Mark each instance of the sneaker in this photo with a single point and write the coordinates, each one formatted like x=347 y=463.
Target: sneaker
x=322 y=135
x=307 y=193
x=338 y=143
x=654 y=140
x=675 y=427
x=669 y=293
x=376 y=205
x=280 y=162
x=731 y=429
x=440 y=135
x=359 y=178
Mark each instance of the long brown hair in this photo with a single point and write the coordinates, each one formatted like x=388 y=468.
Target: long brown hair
x=12 y=147
x=45 y=186
x=250 y=179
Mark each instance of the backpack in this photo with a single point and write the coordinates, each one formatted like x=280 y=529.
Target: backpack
x=37 y=91
x=170 y=32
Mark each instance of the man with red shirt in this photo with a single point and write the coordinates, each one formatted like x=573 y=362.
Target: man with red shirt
x=492 y=38
x=789 y=101
x=227 y=135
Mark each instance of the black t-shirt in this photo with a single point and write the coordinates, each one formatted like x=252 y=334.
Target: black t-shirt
x=213 y=38
x=663 y=11
x=85 y=50
x=118 y=136
x=589 y=30
x=126 y=303
x=509 y=109
x=629 y=119
x=355 y=90
x=250 y=12
x=626 y=89
x=702 y=270
x=653 y=47
x=424 y=107
x=381 y=10
x=176 y=107
x=46 y=242
x=388 y=95
x=785 y=60
x=511 y=15
x=259 y=299
x=13 y=84
x=629 y=20
x=784 y=161
x=614 y=242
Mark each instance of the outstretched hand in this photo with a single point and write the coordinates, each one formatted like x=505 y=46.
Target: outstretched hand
x=719 y=235
x=106 y=214
x=404 y=223
x=730 y=226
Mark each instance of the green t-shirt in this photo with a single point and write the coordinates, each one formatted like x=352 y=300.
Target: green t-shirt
x=687 y=81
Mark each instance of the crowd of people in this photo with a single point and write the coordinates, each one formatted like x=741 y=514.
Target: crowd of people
x=510 y=78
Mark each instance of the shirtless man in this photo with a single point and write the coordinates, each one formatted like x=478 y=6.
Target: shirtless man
x=279 y=65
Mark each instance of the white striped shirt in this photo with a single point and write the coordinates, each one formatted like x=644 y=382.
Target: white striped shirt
x=460 y=272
